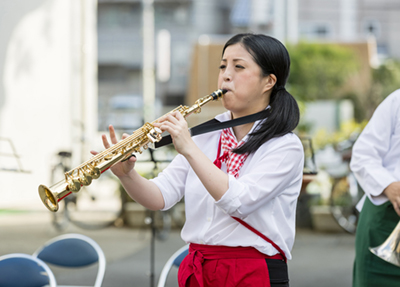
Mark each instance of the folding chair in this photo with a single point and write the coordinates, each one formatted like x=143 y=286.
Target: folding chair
x=174 y=260
x=73 y=250
x=22 y=270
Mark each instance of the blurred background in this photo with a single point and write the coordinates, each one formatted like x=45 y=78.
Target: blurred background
x=68 y=69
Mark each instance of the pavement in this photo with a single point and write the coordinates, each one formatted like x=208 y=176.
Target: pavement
x=319 y=258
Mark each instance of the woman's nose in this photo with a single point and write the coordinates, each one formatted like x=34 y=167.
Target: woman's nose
x=227 y=76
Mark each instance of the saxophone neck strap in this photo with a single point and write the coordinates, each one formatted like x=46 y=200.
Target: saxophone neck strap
x=214 y=124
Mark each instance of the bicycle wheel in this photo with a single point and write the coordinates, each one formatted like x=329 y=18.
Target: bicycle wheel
x=60 y=219
x=345 y=195
x=98 y=205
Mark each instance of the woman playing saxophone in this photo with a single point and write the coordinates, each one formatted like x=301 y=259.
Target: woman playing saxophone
x=240 y=184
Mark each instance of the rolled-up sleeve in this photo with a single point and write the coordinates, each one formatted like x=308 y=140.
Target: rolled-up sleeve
x=375 y=153
x=171 y=181
x=275 y=169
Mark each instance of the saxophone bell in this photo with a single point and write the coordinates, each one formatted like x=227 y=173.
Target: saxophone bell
x=51 y=198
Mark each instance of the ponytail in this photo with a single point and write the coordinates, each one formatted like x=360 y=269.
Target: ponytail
x=283 y=118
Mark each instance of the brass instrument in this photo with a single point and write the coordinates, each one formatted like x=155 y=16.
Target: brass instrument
x=140 y=140
x=390 y=249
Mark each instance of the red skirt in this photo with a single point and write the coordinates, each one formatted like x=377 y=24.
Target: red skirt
x=208 y=265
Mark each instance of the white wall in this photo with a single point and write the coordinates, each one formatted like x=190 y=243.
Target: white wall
x=48 y=85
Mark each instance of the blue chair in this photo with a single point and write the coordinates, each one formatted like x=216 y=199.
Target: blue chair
x=23 y=270
x=73 y=250
x=174 y=261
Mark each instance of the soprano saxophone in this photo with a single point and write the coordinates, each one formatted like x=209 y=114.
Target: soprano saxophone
x=140 y=140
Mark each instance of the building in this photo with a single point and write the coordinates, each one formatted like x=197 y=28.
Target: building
x=120 y=41
x=48 y=92
x=352 y=21
x=120 y=50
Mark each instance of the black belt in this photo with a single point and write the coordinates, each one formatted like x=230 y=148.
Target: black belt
x=278 y=272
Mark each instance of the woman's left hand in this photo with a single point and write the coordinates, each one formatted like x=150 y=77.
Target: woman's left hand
x=176 y=125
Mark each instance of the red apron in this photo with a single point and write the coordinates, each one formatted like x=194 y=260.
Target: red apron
x=213 y=265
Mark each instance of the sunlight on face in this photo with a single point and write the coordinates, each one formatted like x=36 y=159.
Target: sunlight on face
x=248 y=91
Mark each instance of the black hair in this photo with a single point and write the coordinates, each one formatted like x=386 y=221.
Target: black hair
x=283 y=116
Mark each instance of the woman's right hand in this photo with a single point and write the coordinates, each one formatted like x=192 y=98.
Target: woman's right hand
x=120 y=169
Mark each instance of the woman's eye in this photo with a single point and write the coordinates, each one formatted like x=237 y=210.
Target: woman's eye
x=239 y=67
x=222 y=67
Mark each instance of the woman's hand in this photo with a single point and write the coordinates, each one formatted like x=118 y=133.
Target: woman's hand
x=393 y=193
x=213 y=179
x=120 y=169
x=176 y=125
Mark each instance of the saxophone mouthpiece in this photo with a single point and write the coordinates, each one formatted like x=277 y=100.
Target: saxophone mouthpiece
x=217 y=94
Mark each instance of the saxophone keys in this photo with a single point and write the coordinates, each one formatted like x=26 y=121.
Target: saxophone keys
x=95 y=172
x=108 y=156
x=73 y=184
x=138 y=149
x=91 y=171
x=154 y=135
x=85 y=179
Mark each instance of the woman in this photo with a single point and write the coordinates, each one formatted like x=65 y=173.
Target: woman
x=251 y=172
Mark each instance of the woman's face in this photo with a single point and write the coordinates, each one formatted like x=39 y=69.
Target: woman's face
x=248 y=91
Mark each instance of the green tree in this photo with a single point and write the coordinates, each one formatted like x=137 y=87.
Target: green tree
x=318 y=70
x=385 y=80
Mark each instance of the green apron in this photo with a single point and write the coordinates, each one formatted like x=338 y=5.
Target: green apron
x=375 y=225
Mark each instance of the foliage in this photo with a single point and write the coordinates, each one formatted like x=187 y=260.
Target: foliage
x=319 y=70
x=385 y=80
x=303 y=127
x=347 y=130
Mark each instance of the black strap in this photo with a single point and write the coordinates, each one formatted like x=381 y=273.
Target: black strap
x=213 y=125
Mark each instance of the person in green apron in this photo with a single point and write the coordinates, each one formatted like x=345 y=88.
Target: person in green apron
x=376 y=165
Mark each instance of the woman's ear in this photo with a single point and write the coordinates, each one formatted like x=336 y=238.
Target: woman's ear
x=270 y=82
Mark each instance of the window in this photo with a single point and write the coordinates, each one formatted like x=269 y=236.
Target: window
x=372 y=27
x=316 y=31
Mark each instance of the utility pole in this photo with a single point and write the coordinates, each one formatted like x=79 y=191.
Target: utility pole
x=292 y=21
x=279 y=29
x=149 y=85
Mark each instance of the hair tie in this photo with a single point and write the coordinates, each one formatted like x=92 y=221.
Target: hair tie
x=280 y=88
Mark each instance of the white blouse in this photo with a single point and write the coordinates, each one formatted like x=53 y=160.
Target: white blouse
x=264 y=195
x=376 y=154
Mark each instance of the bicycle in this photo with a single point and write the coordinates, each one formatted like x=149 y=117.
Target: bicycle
x=93 y=207
x=345 y=192
x=11 y=161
